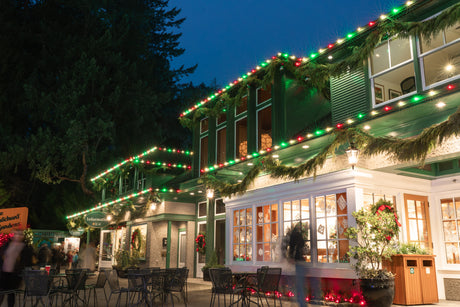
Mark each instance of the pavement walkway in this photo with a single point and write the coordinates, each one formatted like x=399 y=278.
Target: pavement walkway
x=199 y=294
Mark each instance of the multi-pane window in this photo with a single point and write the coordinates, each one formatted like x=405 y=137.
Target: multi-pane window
x=220 y=206
x=204 y=125
x=331 y=224
x=243 y=106
x=440 y=55
x=264 y=94
x=264 y=128
x=450 y=208
x=267 y=232
x=203 y=152
x=202 y=209
x=295 y=212
x=221 y=144
x=241 y=137
x=392 y=70
x=242 y=234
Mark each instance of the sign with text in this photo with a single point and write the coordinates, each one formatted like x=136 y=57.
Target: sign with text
x=13 y=218
x=96 y=219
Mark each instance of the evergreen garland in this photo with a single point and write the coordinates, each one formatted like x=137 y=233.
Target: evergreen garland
x=312 y=74
x=411 y=149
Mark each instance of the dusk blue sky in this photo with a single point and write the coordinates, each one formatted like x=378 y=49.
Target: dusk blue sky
x=229 y=38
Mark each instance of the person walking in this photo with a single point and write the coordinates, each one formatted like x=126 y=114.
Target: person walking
x=16 y=256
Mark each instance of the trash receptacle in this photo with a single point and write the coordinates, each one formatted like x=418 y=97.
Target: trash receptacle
x=415 y=279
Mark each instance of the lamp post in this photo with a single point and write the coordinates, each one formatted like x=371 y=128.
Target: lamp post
x=352 y=153
x=209 y=193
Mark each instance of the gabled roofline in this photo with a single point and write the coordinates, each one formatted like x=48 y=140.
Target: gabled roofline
x=397 y=11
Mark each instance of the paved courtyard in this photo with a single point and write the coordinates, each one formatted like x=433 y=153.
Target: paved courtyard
x=199 y=294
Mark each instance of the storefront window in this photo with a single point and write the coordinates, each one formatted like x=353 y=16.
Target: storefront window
x=294 y=212
x=331 y=224
x=267 y=232
x=450 y=208
x=242 y=235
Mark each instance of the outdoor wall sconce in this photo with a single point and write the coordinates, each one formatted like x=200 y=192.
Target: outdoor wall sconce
x=109 y=217
x=352 y=153
x=209 y=193
x=153 y=206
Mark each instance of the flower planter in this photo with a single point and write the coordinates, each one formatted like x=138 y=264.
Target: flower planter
x=378 y=292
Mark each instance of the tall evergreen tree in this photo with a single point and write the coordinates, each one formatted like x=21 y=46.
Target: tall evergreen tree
x=83 y=84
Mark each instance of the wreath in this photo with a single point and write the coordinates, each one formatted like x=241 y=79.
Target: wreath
x=200 y=244
x=387 y=206
x=136 y=240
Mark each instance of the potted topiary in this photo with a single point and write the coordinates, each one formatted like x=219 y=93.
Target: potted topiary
x=375 y=237
x=212 y=263
x=124 y=261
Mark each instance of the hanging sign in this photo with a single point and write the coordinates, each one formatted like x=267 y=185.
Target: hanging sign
x=96 y=219
x=13 y=218
x=77 y=232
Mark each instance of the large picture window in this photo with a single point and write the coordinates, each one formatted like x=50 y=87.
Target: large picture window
x=450 y=209
x=294 y=212
x=392 y=70
x=440 y=56
x=324 y=220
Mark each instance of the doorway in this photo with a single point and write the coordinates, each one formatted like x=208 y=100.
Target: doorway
x=418 y=220
x=200 y=258
x=220 y=241
x=182 y=249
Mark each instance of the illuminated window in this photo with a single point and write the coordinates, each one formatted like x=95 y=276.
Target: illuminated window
x=440 y=56
x=450 y=209
x=241 y=137
x=331 y=224
x=392 y=70
x=264 y=128
x=295 y=212
x=242 y=235
x=267 y=232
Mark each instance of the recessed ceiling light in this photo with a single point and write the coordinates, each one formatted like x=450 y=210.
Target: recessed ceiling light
x=305 y=146
x=275 y=156
x=250 y=164
x=367 y=127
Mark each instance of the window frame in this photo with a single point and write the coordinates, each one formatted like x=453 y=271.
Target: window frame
x=260 y=108
x=442 y=248
x=372 y=77
x=217 y=143
x=313 y=239
x=421 y=57
x=236 y=148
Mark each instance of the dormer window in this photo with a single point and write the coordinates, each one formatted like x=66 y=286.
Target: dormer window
x=392 y=70
x=440 y=56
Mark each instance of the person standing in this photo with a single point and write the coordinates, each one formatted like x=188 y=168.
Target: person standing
x=15 y=258
x=296 y=254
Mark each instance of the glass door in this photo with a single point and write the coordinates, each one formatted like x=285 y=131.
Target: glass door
x=106 y=249
x=418 y=220
x=182 y=249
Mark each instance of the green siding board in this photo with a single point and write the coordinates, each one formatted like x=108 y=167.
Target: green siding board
x=349 y=95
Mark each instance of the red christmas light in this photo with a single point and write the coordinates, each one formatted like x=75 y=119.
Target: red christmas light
x=450 y=87
x=387 y=108
x=330 y=46
x=371 y=23
x=299 y=138
x=339 y=126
